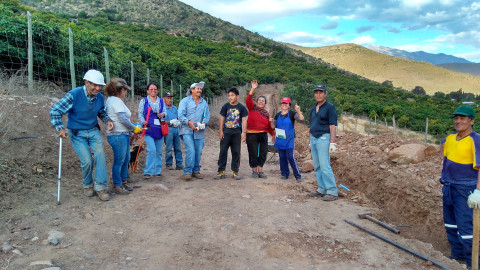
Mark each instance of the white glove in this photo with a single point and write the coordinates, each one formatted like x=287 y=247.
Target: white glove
x=474 y=199
x=333 y=148
x=174 y=122
x=201 y=126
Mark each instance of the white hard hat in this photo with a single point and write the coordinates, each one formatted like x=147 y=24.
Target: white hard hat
x=201 y=84
x=94 y=76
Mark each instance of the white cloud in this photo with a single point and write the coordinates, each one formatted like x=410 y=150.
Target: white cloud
x=471 y=56
x=363 y=40
x=306 y=39
x=270 y=27
x=471 y=38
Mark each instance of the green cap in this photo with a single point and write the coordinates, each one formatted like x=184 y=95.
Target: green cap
x=465 y=110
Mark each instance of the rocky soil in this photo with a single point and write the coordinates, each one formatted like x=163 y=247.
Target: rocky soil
x=167 y=223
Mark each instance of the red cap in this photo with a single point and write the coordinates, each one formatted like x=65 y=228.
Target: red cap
x=286 y=100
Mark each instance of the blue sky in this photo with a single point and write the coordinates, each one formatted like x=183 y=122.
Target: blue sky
x=434 y=26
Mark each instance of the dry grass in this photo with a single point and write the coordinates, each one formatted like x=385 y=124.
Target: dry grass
x=402 y=72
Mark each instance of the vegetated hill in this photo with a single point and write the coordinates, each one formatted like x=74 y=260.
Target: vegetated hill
x=404 y=73
x=470 y=68
x=170 y=15
x=432 y=58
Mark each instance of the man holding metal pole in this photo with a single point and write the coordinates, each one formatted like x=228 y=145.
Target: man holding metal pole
x=83 y=105
x=460 y=179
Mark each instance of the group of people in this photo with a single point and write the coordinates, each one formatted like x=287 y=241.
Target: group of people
x=250 y=124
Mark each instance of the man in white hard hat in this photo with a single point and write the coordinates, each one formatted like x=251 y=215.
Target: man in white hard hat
x=83 y=105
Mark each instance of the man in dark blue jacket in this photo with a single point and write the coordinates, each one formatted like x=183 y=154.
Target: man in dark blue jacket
x=83 y=105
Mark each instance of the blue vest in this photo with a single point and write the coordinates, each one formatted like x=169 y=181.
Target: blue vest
x=155 y=131
x=83 y=114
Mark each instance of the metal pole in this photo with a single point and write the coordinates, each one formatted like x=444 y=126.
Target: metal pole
x=148 y=76
x=396 y=244
x=107 y=64
x=393 y=124
x=72 y=58
x=132 y=79
x=30 y=53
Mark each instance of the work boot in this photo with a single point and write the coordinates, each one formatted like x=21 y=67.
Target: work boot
x=187 y=177
x=147 y=176
x=127 y=186
x=169 y=167
x=103 y=195
x=120 y=190
x=329 y=197
x=262 y=175
x=220 y=175
x=197 y=175
x=299 y=179
x=254 y=175
x=235 y=175
x=316 y=194
x=89 y=192
x=179 y=168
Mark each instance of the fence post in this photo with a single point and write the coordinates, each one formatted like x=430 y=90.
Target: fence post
x=161 y=84
x=148 y=76
x=132 y=79
x=30 y=52
x=393 y=123
x=369 y=125
x=107 y=64
x=72 y=59
x=356 y=122
x=426 y=130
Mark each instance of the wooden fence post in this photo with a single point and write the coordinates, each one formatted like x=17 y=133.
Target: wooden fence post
x=30 y=52
x=72 y=58
x=426 y=130
x=394 y=125
x=148 y=76
x=132 y=80
x=107 y=64
x=356 y=122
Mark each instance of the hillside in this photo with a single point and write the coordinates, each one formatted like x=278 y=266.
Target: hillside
x=402 y=72
x=470 y=68
x=169 y=15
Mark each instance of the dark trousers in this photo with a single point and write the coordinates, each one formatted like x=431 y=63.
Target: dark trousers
x=286 y=156
x=233 y=142
x=458 y=219
x=257 y=145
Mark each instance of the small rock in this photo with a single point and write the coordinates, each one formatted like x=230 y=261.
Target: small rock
x=45 y=262
x=247 y=196
x=383 y=166
x=89 y=256
x=160 y=186
x=52 y=268
x=307 y=166
x=18 y=252
x=226 y=227
x=6 y=247
x=88 y=215
x=129 y=259
x=34 y=239
x=428 y=190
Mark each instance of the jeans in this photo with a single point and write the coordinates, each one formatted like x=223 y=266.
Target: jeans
x=286 y=156
x=173 y=140
x=232 y=141
x=193 y=153
x=82 y=142
x=121 y=156
x=321 y=164
x=153 y=164
x=257 y=145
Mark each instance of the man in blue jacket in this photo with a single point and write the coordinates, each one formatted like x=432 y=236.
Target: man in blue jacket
x=83 y=105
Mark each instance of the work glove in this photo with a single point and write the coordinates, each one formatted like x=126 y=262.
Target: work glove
x=175 y=122
x=137 y=130
x=201 y=126
x=474 y=199
x=333 y=148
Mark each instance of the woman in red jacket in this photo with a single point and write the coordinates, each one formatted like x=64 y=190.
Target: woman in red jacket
x=258 y=125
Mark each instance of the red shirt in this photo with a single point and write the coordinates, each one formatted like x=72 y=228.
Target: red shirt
x=258 y=119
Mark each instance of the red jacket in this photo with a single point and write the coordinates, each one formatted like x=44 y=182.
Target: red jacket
x=258 y=119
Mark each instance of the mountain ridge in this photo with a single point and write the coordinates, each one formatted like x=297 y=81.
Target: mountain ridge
x=436 y=59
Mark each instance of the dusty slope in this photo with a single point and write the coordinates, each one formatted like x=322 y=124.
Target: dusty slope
x=211 y=224
x=402 y=72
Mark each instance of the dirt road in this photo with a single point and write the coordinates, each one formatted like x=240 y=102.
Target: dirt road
x=169 y=223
